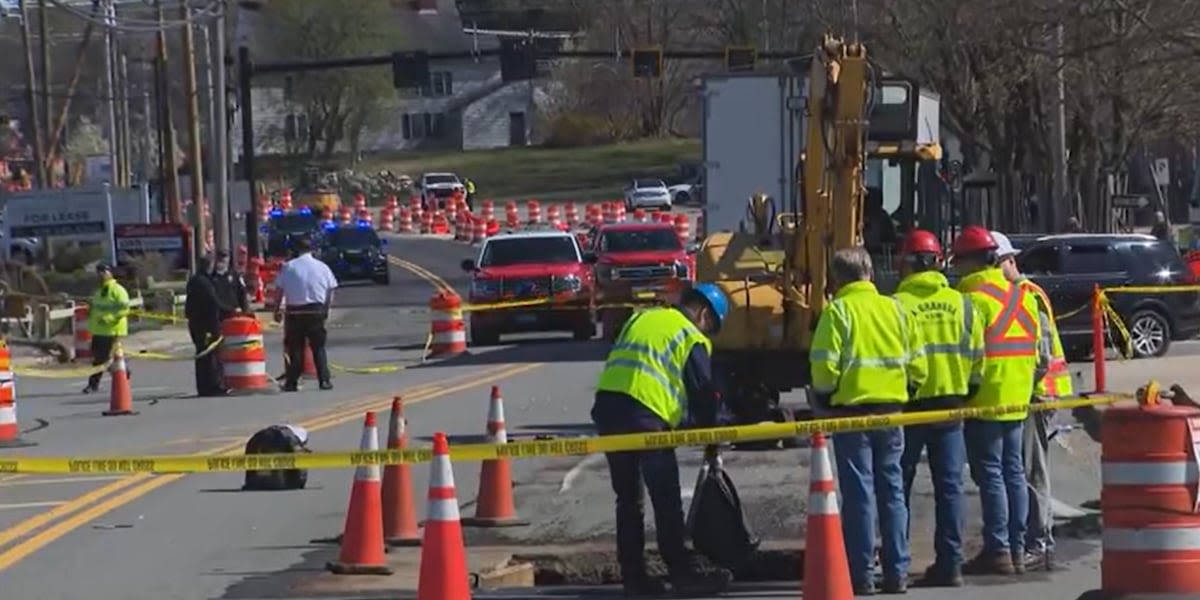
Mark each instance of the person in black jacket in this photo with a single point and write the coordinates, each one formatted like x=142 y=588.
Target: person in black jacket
x=203 y=310
x=229 y=286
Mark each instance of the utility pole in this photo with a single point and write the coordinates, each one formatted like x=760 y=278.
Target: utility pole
x=39 y=151
x=166 y=125
x=47 y=87
x=195 y=146
x=110 y=94
x=147 y=127
x=222 y=207
x=124 y=136
x=1060 y=202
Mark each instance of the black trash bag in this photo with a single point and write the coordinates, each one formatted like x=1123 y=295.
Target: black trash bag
x=276 y=439
x=716 y=520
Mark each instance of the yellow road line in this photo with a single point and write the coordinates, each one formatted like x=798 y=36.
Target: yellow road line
x=437 y=282
x=61 y=480
x=147 y=483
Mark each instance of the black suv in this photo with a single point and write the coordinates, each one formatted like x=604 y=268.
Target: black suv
x=1067 y=266
x=355 y=252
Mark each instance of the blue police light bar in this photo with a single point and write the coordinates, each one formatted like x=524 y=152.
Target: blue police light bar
x=304 y=210
x=364 y=225
x=275 y=212
x=329 y=225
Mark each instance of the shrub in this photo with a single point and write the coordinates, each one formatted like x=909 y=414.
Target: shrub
x=573 y=130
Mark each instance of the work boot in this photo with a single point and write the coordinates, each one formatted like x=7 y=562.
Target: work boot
x=990 y=563
x=938 y=576
x=865 y=587
x=693 y=580
x=641 y=585
x=1039 y=561
x=326 y=385
x=895 y=586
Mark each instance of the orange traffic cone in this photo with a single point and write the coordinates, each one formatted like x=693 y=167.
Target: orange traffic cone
x=826 y=570
x=120 y=400
x=362 y=538
x=443 y=554
x=494 y=505
x=310 y=365
x=399 y=510
x=10 y=430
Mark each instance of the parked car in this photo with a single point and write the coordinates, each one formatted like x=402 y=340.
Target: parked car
x=355 y=253
x=1069 y=266
x=437 y=188
x=647 y=193
x=636 y=263
x=530 y=265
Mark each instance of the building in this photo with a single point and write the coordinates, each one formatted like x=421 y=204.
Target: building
x=466 y=105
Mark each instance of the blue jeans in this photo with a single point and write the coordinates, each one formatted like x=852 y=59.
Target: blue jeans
x=868 y=466
x=994 y=449
x=947 y=453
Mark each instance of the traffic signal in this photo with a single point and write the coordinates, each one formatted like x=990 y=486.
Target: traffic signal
x=410 y=69
x=648 y=63
x=740 y=58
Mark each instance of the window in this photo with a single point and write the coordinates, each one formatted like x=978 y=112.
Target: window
x=441 y=84
x=418 y=126
x=422 y=125
x=1040 y=260
x=640 y=240
x=1091 y=258
x=519 y=251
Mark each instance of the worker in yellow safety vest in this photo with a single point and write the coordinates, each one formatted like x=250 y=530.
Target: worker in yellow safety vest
x=658 y=376
x=1039 y=537
x=108 y=321
x=867 y=358
x=1012 y=364
x=953 y=337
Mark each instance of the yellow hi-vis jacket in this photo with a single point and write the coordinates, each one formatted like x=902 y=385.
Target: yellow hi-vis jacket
x=108 y=310
x=1056 y=383
x=952 y=334
x=865 y=350
x=1010 y=354
x=648 y=359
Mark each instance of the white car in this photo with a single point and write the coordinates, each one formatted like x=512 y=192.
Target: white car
x=647 y=193
x=436 y=188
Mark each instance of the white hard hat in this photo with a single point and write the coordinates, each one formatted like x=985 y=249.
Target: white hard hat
x=1004 y=247
x=300 y=432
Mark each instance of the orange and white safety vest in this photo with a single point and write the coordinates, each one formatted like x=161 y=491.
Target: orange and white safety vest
x=1010 y=351
x=1057 y=381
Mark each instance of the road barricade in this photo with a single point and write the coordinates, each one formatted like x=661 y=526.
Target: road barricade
x=446 y=327
x=10 y=429
x=243 y=356
x=83 y=337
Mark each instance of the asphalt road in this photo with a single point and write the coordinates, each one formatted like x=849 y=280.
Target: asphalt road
x=196 y=537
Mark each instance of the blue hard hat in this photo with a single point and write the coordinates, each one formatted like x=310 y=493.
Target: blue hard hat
x=716 y=299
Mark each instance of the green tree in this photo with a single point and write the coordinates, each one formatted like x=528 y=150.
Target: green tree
x=339 y=103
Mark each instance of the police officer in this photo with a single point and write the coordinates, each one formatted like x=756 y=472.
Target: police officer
x=1011 y=366
x=953 y=339
x=229 y=285
x=204 y=309
x=1035 y=443
x=108 y=321
x=866 y=359
x=305 y=293
x=657 y=373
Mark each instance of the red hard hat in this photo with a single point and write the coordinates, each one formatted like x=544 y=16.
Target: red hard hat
x=974 y=239
x=919 y=241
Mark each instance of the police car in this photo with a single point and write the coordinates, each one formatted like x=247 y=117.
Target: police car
x=354 y=252
x=284 y=227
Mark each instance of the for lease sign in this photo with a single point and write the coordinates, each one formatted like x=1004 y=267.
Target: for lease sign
x=65 y=214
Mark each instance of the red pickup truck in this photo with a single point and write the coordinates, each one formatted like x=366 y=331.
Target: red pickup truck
x=636 y=264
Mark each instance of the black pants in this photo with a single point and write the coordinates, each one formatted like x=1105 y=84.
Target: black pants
x=305 y=324
x=209 y=379
x=659 y=470
x=102 y=349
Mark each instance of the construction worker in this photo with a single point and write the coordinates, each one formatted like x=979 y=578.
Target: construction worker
x=1011 y=366
x=1039 y=537
x=953 y=339
x=658 y=375
x=867 y=359
x=108 y=321
x=470 y=194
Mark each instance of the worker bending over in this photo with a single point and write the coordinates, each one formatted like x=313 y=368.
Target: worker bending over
x=867 y=358
x=953 y=338
x=1039 y=536
x=658 y=375
x=1011 y=366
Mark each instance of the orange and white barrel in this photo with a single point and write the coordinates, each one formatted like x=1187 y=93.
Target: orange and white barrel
x=360 y=201
x=478 y=230
x=285 y=199
x=493 y=227
x=426 y=221
x=83 y=337
x=488 y=209
x=534 y=209
x=639 y=215
x=1150 y=465
x=327 y=215
x=387 y=222
x=405 y=223
x=462 y=227
x=243 y=355
x=607 y=213
x=344 y=215
x=447 y=330
x=595 y=215
x=619 y=212
x=393 y=202
x=365 y=215
x=683 y=228
x=512 y=217
x=554 y=216
x=440 y=225
x=10 y=429
x=452 y=211
x=572 y=215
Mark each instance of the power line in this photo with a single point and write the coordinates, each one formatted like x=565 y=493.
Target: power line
x=137 y=25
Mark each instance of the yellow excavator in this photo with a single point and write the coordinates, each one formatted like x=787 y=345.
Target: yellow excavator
x=775 y=270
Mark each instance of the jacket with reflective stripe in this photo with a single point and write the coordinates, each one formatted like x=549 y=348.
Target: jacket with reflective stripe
x=647 y=361
x=1056 y=383
x=108 y=310
x=1011 y=334
x=953 y=336
x=864 y=350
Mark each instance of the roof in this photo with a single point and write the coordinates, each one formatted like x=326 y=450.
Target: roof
x=439 y=174
x=548 y=233
x=1100 y=237
x=636 y=226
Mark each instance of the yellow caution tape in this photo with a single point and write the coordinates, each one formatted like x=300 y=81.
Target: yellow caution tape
x=520 y=449
x=76 y=373
x=386 y=368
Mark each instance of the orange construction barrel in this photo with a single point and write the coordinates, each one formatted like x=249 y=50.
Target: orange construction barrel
x=448 y=332
x=243 y=356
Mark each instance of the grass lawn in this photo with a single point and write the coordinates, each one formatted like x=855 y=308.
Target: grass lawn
x=590 y=173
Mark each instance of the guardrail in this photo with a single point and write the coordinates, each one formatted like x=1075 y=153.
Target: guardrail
x=42 y=322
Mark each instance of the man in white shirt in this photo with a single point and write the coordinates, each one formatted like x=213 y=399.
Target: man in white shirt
x=304 y=294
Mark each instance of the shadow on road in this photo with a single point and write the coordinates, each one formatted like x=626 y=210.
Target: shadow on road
x=529 y=351
x=481 y=438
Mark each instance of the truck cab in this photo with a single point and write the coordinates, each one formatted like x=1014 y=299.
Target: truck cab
x=636 y=264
